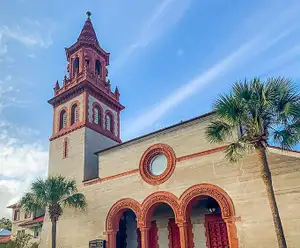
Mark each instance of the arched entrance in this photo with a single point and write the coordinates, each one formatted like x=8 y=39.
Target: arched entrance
x=222 y=211
x=159 y=219
x=122 y=214
x=164 y=220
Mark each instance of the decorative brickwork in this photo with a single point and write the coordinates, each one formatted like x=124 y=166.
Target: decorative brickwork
x=116 y=211
x=180 y=208
x=148 y=155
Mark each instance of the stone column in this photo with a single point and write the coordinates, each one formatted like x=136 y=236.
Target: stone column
x=232 y=233
x=145 y=237
x=111 y=239
x=184 y=234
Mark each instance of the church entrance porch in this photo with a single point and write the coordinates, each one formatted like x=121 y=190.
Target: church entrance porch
x=202 y=217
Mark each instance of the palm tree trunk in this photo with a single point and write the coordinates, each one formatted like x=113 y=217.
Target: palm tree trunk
x=54 y=233
x=267 y=178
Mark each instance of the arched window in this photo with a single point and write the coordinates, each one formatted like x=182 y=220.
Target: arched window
x=97 y=115
x=75 y=66
x=62 y=119
x=109 y=122
x=74 y=114
x=98 y=68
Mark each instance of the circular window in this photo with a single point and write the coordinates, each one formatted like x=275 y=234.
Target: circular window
x=157 y=164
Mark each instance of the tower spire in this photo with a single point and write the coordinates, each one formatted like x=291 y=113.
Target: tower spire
x=88 y=34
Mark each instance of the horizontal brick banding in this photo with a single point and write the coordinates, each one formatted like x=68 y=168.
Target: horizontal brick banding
x=199 y=154
x=194 y=155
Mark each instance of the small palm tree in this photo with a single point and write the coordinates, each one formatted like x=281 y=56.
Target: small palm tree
x=261 y=112
x=54 y=193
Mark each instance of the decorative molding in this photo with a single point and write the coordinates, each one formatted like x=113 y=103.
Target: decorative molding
x=204 y=189
x=153 y=200
x=101 y=114
x=112 y=121
x=203 y=153
x=148 y=155
x=116 y=211
x=145 y=210
x=78 y=112
x=67 y=130
x=119 y=175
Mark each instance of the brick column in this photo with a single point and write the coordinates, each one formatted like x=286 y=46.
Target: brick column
x=184 y=234
x=232 y=232
x=111 y=239
x=144 y=237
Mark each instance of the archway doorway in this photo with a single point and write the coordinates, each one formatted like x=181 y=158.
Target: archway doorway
x=127 y=234
x=160 y=215
x=121 y=224
x=206 y=224
x=210 y=212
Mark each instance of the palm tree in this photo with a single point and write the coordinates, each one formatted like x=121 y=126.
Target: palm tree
x=54 y=193
x=261 y=112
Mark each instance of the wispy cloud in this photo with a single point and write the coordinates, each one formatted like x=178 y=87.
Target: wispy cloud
x=166 y=15
x=26 y=37
x=262 y=42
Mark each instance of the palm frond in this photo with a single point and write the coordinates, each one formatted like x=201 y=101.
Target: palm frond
x=76 y=200
x=219 y=131
x=288 y=136
x=29 y=203
x=228 y=108
x=235 y=151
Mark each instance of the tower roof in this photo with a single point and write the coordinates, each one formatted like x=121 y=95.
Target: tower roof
x=88 y=34
x=87 y=38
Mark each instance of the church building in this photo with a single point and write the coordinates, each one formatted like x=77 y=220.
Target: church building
x=166 y=189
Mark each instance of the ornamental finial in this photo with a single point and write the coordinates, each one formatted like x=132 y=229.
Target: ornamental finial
x=88 y=13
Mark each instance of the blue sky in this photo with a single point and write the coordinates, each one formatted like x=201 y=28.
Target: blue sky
x=169 y=58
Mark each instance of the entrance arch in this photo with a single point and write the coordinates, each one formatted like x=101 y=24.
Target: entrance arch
x=156 y=198
x=114 y=215
x=227 y=209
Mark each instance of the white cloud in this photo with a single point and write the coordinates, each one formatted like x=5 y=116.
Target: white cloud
x=20 y=164
x=166 y=15
x=26 y=37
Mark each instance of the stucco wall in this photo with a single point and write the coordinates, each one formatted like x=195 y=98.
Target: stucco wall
x=241 y=181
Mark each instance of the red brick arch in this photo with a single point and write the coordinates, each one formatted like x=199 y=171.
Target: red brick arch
x=180 y=206
x=116 y=211
x=227 y=209
x=153 y=200
x=205 y=189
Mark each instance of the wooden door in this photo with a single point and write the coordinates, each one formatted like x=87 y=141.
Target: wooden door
x=216 y=231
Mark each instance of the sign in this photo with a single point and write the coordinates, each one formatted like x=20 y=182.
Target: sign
x=97 y=243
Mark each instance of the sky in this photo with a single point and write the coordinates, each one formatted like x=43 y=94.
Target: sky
x=170 y=59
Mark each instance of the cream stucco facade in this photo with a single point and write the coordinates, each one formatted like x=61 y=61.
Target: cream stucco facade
x=198 y=200
x=241 y=181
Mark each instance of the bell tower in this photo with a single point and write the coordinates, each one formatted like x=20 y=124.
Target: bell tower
x=86 y=112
